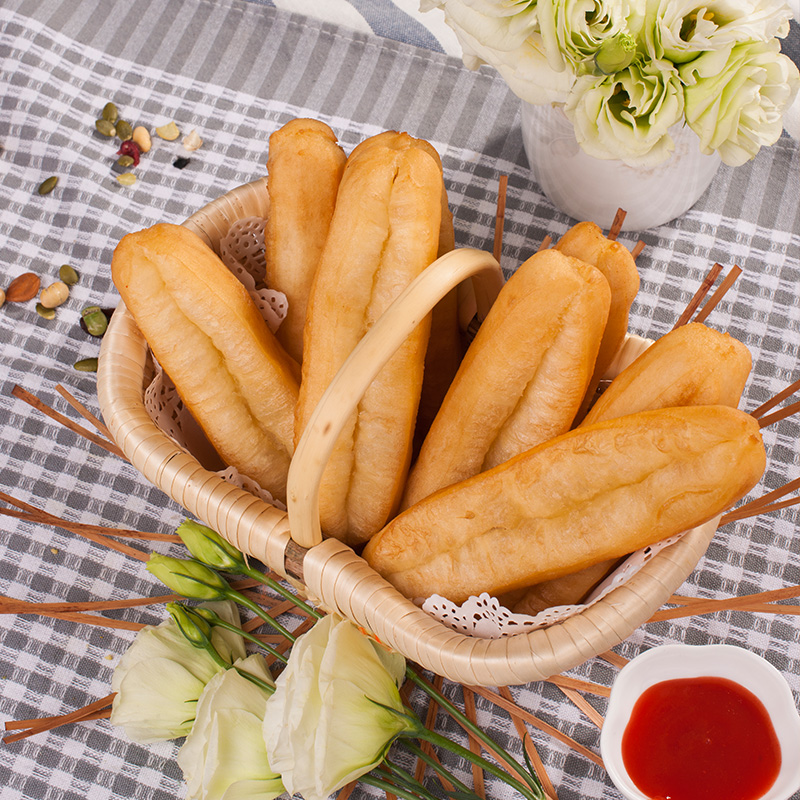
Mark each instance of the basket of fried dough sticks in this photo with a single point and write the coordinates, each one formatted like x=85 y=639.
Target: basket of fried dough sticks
x=399 y=455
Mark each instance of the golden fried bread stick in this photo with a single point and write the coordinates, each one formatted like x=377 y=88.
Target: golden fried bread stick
x=523 y=377
x=303 y=172
x=587 y=242
x=691 y=365
x=384 y=232
x=592 y=494
x=209 y=337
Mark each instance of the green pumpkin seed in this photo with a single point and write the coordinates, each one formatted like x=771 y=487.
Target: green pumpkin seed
x=105 y=128
x=124 y=130
x=125 y=161
x=95 y=320
x=110 y=112
x=44 y=312
x=86 y=365
x=127 y=178
x=68 y=275
x=45 y=187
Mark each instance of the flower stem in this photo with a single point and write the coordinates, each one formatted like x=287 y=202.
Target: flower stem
x=439 y=769
x=533 y=789
x=403 y=778
x=267 y=687
x=250 y=638
x=252 y=572
x=259 y=612
x=370 y=779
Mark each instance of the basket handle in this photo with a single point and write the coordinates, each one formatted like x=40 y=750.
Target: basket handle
x=366 y=360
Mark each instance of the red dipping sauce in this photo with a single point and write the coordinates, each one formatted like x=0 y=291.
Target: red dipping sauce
x=700 y=739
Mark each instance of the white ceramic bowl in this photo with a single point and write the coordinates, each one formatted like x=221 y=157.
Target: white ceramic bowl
x=686 y=661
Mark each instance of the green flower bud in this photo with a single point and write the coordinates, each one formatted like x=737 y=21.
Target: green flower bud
x=208 y=546
x=615 y=54
x=189 y=578
x=192 y=625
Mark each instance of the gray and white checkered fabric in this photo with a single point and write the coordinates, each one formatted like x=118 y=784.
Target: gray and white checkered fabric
x=236 y=71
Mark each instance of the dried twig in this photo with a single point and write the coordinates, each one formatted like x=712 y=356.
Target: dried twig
x=35 y=726
x=530 y=749
x=39 y=405
x=763 y=504
x=546 y=242
x=777 y=399
x=637 y=249
x=616 y=225
x=583 y=705
x=474 y=745
x=84 y=412
x=715 y=298
x=694 y=303
x=499 y=221
x=565 y=682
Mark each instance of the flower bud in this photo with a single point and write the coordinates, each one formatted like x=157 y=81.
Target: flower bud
x=615 y=54
x=208 y=546
x=193 y=626
x=189 y=578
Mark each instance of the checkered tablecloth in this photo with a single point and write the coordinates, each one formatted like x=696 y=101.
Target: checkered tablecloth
x=236 y=71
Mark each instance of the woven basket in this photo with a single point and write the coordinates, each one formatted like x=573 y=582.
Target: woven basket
x=291 y=543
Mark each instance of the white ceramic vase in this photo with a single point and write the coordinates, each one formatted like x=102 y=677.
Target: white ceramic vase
x=592 y=189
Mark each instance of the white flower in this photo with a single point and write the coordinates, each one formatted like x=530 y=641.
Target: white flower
x=573 y=30
x=735 y=98
x=628 y=115
x=224 y=757
x=323 y=726
x=161 y=675
x=679 y=30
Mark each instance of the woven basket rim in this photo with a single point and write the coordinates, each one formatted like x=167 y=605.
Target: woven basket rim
x=332 y=572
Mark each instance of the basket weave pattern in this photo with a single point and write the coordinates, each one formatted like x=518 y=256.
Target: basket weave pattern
x=330 y=571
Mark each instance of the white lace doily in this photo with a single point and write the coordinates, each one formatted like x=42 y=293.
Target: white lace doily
x=242 y=251
x=484 y=617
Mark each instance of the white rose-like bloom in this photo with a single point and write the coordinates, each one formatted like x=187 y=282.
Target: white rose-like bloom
x=159 y=678
x=735 y=99
x=573 y=30
x=679 y=30
x=498 y=24
x=224 y=757
x=321 y=727
x=628 y=115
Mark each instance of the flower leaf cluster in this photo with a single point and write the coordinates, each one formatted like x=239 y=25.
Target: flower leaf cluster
x=329 y=718
x=627 y=71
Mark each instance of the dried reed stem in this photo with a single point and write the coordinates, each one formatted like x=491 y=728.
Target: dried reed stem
x=613 y=658
x=513 y=709
x=637 y=249
x=430 y=722
x=565 y=682
x=778 y=415
x=616 y=225
x=8 y=605
x=774 y=401
x=761 y=504
x=530 y=749
x=42 y=724
x=715 y=298
x=478 y=783
x=583 y=705
x=39 y=405
x=500 y=218
x=84 y=412
x=694 y=303
x=39 y=516
x=546 y=242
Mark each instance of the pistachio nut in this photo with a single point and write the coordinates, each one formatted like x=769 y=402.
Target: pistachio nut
x=94 y=320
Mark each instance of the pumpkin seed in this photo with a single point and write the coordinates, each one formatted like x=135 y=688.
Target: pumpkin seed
x=105 y=128
x=47 y=186
x=86 y=365
x=94 y=320
x=110 y=113
x=125 y=161
x=45 y=312
x=127 y=178
x=68 y=275
x=124 y=130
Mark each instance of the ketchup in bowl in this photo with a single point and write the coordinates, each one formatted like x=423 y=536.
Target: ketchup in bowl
x=712 y=722
x=701 y=738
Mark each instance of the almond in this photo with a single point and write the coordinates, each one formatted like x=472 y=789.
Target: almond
x=23 y=288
